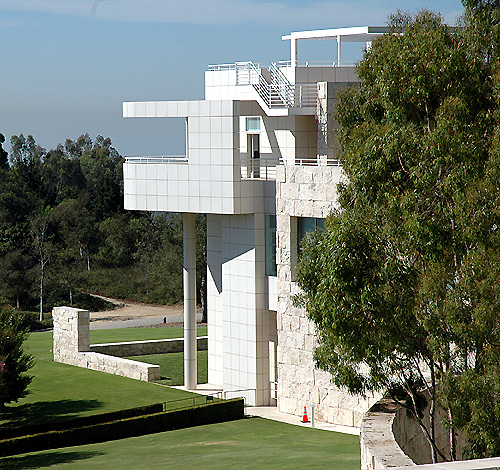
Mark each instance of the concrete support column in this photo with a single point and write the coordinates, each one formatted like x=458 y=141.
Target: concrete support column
x=293 y=55
x=339 y=50
x=189 y=236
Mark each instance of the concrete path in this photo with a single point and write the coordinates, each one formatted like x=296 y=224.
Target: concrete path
x=271 y=412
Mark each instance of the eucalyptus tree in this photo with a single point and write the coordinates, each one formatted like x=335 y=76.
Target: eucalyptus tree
x=402 y=283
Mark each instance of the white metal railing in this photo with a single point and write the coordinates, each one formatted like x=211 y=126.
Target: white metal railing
x=306 y=95
x=259 y=168
x=317 y=161
x=221 y=67
x=278 y=92
x=274 y=389
x=159 y=159
x=281 y=86
x=317 y=63
x=275 y=94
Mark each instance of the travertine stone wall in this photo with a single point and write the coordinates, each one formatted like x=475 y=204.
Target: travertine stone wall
x=139 y=348
x=72 y=346
x=71 y=330
x=305 y=191
x=390 y=438
x=379 y=448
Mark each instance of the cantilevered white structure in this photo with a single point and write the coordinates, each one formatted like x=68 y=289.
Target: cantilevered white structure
x=261 y=162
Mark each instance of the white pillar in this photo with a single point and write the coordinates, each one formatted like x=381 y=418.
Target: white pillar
x=190 y=347
x=293 y=53
x=339 y=50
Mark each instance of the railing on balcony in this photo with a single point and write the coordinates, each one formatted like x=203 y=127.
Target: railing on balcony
x=275 y=90
x=317 y=161
x=317 y=63
x=261 y=168
x=159 y=159
x=306 y=95
x=264 y=168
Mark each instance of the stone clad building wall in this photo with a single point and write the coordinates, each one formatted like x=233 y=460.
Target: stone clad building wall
x=305 y=191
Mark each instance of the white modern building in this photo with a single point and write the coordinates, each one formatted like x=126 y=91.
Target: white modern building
x=261 y=162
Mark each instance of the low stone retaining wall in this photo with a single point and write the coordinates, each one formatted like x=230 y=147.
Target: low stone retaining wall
x=379 y=448
x=72 y=346
x=111 y=365
x=390 y=438
x=140 y=348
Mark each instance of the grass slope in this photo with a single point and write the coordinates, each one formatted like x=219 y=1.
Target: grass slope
x=250 y=443
x=60 y=391
x=139 y=334
x=172 y=367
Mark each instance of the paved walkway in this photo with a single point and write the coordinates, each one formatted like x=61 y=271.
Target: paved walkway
x=271 y=412
x=138 y=321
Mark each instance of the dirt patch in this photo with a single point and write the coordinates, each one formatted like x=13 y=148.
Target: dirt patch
x=131 y=310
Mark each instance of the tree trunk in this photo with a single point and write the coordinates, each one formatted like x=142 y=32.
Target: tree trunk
x=453 y=442
x=432 y=410
x=41 y=292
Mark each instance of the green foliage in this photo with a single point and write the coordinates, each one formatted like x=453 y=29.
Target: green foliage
x=63 y=230
x=4 y=156
x=14 y=362
x=404 y=279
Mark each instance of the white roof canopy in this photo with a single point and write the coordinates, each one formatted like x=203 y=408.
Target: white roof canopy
x=353 y=34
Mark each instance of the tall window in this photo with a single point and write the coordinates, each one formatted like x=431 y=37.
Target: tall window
x=306 y=225
x=271 y=245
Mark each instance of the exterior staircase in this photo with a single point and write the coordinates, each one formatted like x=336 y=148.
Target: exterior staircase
x=275 y=91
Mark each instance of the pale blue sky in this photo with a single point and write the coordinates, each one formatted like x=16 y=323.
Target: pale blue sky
x=67 y=65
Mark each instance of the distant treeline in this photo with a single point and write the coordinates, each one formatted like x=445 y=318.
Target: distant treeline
x=63 y=230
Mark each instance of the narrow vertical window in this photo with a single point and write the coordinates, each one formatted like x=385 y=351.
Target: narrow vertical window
x=271 y=269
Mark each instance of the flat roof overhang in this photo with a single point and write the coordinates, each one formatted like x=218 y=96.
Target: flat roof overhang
x=353 y=34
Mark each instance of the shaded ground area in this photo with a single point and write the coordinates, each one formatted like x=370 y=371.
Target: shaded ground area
x=249 y=443
x=60 y=391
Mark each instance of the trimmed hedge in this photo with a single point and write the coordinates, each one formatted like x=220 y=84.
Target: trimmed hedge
x=9 y=433
x=217 y=412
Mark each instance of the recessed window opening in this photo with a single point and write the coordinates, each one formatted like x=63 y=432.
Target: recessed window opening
x=306 y=225
x=252 y=124
x=271 y=269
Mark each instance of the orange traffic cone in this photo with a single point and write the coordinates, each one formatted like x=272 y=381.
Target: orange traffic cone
x=305 y=419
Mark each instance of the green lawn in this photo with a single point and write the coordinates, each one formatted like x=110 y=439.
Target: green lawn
x=60 y=391
x=172 y=367
x=252 y=443
x=171 y=364
x=139 y=334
